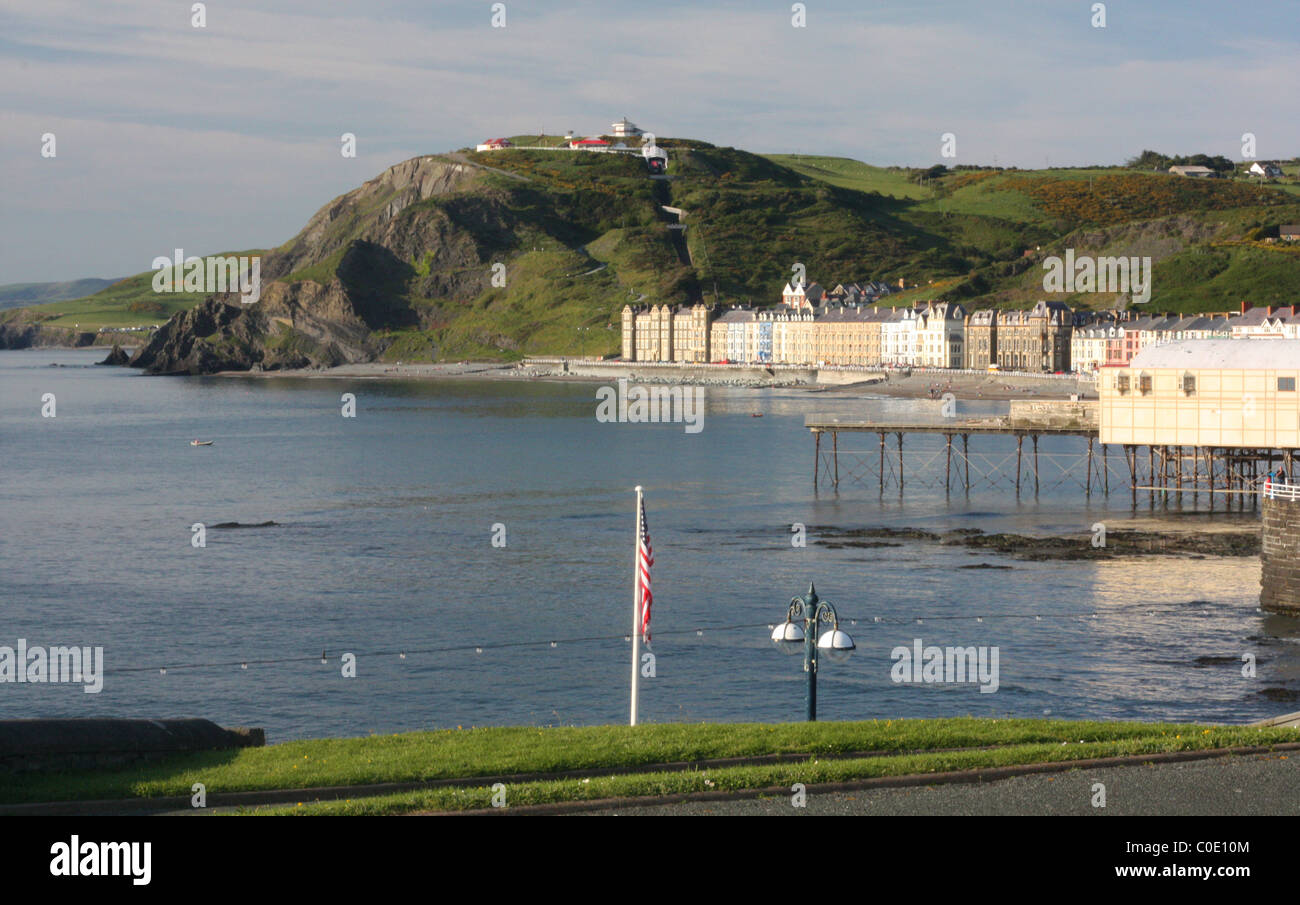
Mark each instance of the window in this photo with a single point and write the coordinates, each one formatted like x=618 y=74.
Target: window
x=1189 y=383
x=1144 y=383
x=1121 y=383
x=1286 y=384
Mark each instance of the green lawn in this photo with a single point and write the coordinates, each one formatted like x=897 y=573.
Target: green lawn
x=898 y=746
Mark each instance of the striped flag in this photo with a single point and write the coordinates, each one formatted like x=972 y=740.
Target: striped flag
x=645 y=558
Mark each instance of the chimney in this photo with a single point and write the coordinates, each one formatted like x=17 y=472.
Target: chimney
x=1269 y=312
x=1245 y=306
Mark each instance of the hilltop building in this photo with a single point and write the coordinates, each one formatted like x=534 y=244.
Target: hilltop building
x=625 y=129
x=1265 y=170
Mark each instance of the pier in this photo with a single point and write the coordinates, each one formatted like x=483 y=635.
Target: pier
x=1077 y=457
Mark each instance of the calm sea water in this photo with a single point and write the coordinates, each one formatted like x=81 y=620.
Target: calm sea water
x=383 y=545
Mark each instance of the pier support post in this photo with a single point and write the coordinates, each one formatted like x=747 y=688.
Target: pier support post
x=1020 y=443
x=947 y=467
x=1105 y=470
x=1034 y=437
x=1087 y=483
x=965 y=455
x=1130 y=456
x=835 y=454
x=899 y=435
x=817 y=452
x=882 y=461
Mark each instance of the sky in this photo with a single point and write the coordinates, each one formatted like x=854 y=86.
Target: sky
x=227 y=137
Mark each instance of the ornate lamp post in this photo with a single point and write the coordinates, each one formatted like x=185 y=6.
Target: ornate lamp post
x=800 y=625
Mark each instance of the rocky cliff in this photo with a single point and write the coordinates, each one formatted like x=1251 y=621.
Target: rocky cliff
x=37 y=336
x=346 y=275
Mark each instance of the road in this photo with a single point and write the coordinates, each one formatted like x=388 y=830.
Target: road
x=1253 y=785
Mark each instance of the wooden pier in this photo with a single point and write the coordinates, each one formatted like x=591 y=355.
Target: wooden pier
x=1092 y=466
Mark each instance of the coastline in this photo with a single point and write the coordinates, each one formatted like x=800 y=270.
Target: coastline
x=837 y=381
x=810 y=380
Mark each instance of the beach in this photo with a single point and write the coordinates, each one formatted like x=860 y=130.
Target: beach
x=913 y=384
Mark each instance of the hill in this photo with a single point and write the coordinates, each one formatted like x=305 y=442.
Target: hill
x=16 y=295
x=506 y=253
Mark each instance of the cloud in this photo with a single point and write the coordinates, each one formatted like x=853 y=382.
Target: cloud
x=231 y=132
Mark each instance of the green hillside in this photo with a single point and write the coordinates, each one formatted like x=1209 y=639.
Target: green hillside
x=17 y=295
x=130 y=302
x=510 y=253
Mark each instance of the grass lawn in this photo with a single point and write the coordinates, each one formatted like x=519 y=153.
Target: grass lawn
x=885 y=747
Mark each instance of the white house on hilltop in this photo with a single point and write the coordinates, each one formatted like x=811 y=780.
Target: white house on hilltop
x=626 y=129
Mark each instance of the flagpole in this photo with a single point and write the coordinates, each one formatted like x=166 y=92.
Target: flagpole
x=636 y=609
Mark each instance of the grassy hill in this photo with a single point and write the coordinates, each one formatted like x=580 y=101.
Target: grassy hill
x=16 y=295
x=508 y=253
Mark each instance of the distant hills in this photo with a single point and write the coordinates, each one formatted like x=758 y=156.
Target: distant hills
x=16 y=295
x=515 y=252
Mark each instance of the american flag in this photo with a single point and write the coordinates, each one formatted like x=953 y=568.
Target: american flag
x=645 y=558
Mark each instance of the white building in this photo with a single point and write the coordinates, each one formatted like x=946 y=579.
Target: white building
x=802 y=296
x=939 y=335
x=1265 y=170
x=625 y=129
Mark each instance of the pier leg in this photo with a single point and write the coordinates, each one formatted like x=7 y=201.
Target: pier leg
x=947 y=467
x=1087 y=483
x=817 y=452
x=1209 y=475
x=900 y=462
x=965 y=455
x=1034 y=437
x=1130 y=456
x=835 y=454
x=882 y=462
x=1020 y=442
x=1105 y=470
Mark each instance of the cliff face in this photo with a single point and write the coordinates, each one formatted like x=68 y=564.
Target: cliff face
x=298 y=325
x=353 y=258
x=36 y=336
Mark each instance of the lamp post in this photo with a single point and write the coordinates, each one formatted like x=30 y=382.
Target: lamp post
x=811 y=610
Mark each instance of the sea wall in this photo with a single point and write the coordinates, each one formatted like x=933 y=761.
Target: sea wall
x=27 y=745
x=1279 y=577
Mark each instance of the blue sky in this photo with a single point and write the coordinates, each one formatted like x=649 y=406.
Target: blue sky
x=227 y=137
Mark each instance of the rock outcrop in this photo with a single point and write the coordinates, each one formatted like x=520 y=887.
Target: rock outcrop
x=116 y=357
x=39 y=336
x=360 y=249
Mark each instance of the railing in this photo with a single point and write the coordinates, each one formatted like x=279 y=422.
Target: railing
x=1275 y=491
x=871 y=369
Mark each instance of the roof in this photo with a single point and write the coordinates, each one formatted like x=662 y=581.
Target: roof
x=1234 y=354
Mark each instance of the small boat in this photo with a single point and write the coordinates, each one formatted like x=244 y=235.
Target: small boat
x=756 y=414
x=201 y=442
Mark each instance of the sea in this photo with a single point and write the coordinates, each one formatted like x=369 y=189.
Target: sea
x=461 y=553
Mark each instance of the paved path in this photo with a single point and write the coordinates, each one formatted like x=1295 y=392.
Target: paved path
x=1253 y=785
